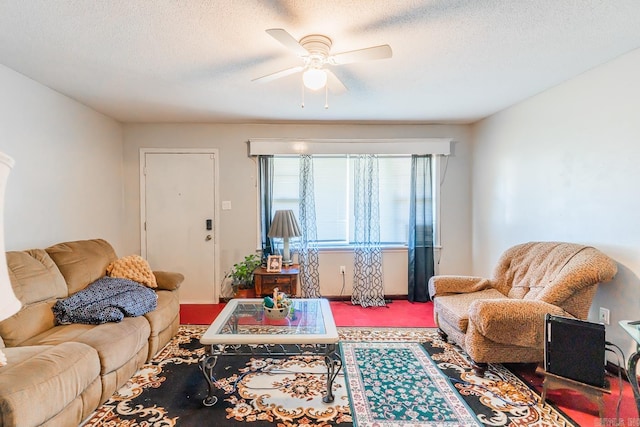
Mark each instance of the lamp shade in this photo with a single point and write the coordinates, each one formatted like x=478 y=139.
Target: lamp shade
x=284 y=224
x=9 y=304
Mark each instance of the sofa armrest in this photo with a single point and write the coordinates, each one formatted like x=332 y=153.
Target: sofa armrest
x=450 y=285
x=167 y=280
x=512 y=321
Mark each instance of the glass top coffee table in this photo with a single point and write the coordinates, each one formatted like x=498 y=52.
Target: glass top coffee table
x=243 y=329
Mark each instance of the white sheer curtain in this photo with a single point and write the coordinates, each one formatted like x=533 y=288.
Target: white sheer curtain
x=368 y=289
x=308 y=251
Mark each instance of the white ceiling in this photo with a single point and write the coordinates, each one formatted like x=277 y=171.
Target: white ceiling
x=193 y=60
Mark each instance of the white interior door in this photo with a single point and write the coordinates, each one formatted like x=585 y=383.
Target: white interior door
x=179 y=222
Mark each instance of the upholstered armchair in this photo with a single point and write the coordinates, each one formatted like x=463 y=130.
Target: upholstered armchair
x=501 y=320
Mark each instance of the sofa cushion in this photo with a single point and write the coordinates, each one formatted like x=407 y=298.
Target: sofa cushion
x=82 y=262
x=31 y=321
x=455 y=308
x=167 y=309
x=161 y=318
x=37 y=283
x=35 y=277
x=39 y=381
x=116 y=343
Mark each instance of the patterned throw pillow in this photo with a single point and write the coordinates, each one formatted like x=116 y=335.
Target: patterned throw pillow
x=133 y=267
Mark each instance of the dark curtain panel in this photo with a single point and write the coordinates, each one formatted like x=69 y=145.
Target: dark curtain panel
x=421 y=267
x=265 y=176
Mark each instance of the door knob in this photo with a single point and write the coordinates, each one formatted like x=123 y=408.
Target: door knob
x=208 y=237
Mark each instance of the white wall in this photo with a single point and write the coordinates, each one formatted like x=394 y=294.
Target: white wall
x=238 y=185
x=564 y=165
x=67 y=181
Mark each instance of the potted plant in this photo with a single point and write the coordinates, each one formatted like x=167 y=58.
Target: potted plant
x=242 y=276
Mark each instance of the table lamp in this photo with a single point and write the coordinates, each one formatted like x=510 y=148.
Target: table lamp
x=9 y=304
x=285 y=226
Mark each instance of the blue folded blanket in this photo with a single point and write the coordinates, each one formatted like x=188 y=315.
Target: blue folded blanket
x=108 y=299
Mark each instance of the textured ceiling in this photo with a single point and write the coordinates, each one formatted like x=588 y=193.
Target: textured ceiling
x=193 y=60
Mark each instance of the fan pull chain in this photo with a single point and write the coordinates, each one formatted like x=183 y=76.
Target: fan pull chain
x=302 y=87
x=326 y=97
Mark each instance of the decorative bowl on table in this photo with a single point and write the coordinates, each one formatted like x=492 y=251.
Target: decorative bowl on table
x=278 y=307
x=274 y=313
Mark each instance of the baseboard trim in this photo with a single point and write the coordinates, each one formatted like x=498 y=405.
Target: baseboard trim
x=339 y=298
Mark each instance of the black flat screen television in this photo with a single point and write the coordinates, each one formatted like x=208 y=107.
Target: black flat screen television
x=575 y=349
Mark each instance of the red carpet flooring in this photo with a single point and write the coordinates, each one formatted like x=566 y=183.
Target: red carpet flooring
x=402 y=313
x=398 y=313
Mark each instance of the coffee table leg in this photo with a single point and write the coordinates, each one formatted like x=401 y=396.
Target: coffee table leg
x=334 y=364
x=207 y=363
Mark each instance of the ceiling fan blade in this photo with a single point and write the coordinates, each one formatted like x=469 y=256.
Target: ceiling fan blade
x=367 y=54
x=278 y=74
x=334 y=83
x=287 y=40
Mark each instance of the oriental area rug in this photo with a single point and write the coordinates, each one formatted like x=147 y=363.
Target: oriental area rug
x=432 y=386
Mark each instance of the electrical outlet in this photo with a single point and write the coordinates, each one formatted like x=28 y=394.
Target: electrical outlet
x=343 y=269
x=604 y=315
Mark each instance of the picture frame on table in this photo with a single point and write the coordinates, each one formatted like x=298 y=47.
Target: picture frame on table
x=274 y=263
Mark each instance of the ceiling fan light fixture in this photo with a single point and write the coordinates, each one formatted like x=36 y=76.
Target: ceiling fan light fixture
x=314 y=78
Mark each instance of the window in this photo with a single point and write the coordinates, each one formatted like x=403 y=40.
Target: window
x=333 y=187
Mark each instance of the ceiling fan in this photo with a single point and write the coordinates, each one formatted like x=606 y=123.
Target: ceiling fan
x=314 y=50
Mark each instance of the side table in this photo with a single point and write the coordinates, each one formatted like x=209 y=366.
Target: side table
x=286 y=280
x=633 y=329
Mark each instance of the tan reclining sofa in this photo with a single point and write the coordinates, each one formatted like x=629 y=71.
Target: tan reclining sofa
x=57 y=375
